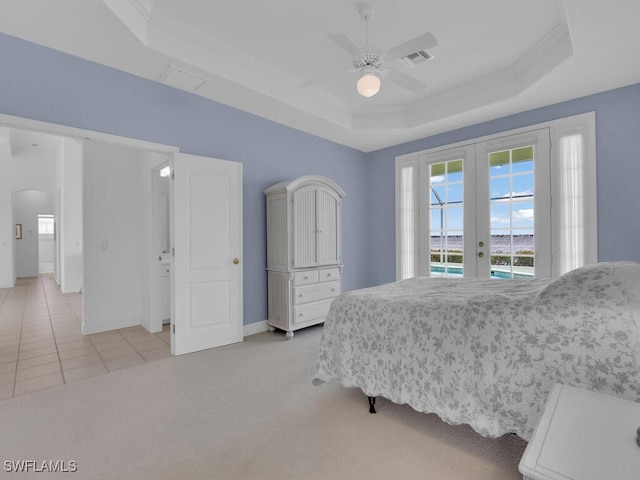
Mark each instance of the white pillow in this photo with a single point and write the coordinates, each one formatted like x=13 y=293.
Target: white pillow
x=615 y=283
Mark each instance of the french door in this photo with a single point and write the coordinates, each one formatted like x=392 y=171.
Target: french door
x=485 y=209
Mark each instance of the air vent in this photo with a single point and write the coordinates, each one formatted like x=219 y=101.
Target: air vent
x=179 y=78
x=414 y=59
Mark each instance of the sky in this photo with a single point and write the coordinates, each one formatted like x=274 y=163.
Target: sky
x=511 y=204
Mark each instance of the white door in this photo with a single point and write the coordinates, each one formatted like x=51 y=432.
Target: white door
x=206 y=279
x=513 y=230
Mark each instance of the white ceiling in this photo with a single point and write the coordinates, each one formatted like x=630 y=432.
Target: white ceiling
x=16 y=142
x=493 y=58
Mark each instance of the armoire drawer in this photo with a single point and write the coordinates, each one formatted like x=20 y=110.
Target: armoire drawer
x=315 y=293
x=312 y=311
x=329 y=275
x=308 y=277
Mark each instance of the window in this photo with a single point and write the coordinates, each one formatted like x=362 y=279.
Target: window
x=530 y=196
x=446 y=217
x=45 y=224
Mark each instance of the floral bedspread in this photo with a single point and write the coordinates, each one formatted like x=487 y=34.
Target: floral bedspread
x=487 y=352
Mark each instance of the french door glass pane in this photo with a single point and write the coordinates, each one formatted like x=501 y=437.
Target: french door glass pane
x=512 y=212
x=454 y=193
x=522 y=216
x=446 y=218
x=500 y=187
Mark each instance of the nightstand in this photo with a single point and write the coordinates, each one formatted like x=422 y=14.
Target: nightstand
x=584 y=435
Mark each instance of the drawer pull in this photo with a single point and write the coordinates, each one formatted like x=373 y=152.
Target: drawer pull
x=328 y=274
x=305 y=278
x=300 y=295
x=301 y=315
x=333 y=289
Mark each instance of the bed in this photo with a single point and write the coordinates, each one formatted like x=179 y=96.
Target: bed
x=487 y=352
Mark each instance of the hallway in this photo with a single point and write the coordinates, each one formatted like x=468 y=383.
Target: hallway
x=41 y=344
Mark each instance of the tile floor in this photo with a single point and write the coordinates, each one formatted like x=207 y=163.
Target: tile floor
x=41 y=344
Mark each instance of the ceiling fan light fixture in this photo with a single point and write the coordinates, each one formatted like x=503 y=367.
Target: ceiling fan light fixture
x=368 y=84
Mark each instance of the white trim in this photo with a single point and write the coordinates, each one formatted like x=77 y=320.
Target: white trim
x=574 y=120
x=82 y=134
x=254 y=328
x=108 y=327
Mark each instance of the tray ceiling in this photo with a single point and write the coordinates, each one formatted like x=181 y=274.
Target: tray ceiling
x=275 y=59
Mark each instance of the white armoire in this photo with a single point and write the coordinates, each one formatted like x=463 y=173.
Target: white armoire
x=304 y=262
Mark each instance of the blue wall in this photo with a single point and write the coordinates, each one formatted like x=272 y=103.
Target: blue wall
x=618 y=174
x=47 y=85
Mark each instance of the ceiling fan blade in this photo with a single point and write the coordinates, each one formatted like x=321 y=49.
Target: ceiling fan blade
x=405 y=81
x=421 y=42
x=346 y=44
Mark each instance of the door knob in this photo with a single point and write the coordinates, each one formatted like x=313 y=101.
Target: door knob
x=481 y=244
x=481 y=254
x=236 y=261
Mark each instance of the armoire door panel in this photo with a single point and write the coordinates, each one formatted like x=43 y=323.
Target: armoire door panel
x=304 y=228
x=277 y=254
x=327 y=226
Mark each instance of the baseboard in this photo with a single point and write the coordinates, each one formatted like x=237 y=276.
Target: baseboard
x=106 y=327
x=253 y=328
x=247 y=330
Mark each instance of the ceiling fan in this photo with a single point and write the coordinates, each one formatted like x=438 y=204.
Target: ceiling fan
x=370 y=65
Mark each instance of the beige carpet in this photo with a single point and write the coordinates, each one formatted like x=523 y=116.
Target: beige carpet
x=245 y=411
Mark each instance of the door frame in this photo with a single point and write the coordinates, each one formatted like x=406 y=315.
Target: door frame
x=154 y=322
x=407 y=202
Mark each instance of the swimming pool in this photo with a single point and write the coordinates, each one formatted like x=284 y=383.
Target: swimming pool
x=457 y=272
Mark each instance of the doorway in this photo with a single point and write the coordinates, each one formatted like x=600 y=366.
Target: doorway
x=33 y=251
x=46 y=243
x=99 y=246
x=160 y=248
